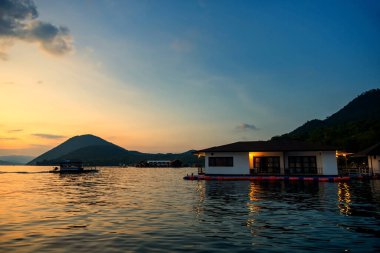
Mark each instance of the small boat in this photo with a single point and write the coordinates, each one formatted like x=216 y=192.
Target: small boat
x=68 y=166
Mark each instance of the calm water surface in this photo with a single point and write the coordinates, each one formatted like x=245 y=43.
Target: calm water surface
x=153 y=210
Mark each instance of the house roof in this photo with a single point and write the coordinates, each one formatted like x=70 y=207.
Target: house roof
x=373 y=150
x=268 y=146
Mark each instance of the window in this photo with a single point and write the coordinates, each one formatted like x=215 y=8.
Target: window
x=267 y=164
x=302 y=165
x=220 y=162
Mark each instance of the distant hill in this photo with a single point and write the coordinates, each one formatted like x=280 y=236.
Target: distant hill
x=69 y=146
x=93 y=150
x=6 y=163
x=356 y=126
x=16 y=159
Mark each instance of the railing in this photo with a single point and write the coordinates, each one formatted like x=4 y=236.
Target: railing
x=200 y=170
x=303 y=171
x=362 y=170
x=266 y=171
x=287 y=171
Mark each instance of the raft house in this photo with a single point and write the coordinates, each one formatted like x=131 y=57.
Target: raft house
x=373 y=157
x=269 y=160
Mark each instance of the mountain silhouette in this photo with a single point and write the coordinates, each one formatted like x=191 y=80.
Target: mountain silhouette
x=354 y=127
x=15 y=159
x=93 y=150
x=69 y=146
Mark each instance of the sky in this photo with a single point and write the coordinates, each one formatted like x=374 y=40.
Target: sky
x=169 y=76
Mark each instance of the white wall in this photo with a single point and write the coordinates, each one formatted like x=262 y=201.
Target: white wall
x=329 y=163
x=240 y=162
x=374 y=164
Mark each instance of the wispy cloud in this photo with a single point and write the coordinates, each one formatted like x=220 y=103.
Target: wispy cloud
x=34 y=145
x=49 y=136
x=8 y=138
x=8 y=82
x=246 y=127
x=19 y=21
x=15 y=130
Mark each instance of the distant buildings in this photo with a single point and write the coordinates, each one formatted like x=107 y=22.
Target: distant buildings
x=160 y=163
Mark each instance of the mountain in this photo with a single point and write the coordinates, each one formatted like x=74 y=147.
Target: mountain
x=16 y=159
x=93 y=150
x=101 y=155
x=355 y=127
x=69 y=146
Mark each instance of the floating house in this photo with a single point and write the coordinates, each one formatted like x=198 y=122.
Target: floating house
x=373 y=155
x=270 y=158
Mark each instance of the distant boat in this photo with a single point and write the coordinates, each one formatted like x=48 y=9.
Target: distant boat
x=68 y=166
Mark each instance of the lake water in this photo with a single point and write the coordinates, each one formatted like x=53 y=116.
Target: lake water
x=154 y=210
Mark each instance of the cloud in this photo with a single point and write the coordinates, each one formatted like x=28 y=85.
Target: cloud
x=18 y=21
x=15 y=130
x=246 y=127
x=8 y=138
x=9 y=82
x=49 y=136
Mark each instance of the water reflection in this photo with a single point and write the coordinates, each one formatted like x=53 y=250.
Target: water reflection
x=359 y=199
x=222 y=198
x=254 y=192
x=344 y=198
x=253 y=207
x=201 y=194
x=254 y=198
x=287 y=207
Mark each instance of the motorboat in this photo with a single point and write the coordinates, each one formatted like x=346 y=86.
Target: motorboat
x=68 y=166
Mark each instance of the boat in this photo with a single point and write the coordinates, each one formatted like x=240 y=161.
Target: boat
x=68 y=166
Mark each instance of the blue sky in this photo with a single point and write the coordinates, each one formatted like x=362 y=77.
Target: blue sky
x=191 y=74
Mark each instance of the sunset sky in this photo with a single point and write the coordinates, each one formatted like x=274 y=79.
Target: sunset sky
x=169 y=76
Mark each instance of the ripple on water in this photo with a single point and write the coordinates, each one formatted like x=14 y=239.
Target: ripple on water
x=131 y=209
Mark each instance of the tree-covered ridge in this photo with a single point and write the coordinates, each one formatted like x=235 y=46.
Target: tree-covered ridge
x=355 y=127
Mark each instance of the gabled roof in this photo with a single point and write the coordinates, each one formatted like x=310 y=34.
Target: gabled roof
x=373 y=150
x=268 y=146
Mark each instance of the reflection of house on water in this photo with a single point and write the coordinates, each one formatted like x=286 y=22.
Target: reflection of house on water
x=359 y=198
x=218 y=199
x=231 y=192
x=266 y=208
x=344 y=198
x=224 y=198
